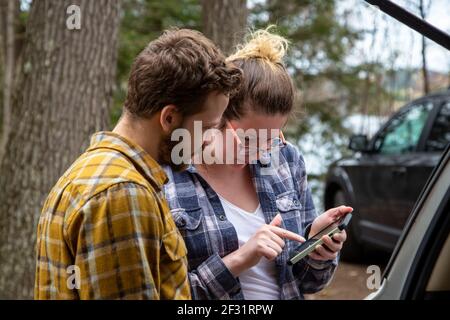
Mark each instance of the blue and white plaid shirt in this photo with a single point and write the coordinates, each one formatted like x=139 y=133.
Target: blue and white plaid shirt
x=209 y=236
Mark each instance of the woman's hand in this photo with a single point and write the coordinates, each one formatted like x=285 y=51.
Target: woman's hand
x=266 y=242
x=331 y=246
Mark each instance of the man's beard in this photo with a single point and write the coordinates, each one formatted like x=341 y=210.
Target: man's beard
x=165 y=153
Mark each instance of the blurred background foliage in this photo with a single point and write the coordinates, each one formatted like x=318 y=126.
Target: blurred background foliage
x=143 y=21
x=348 y=79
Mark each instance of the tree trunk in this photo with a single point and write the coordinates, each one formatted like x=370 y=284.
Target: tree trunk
x=224 y=22
x=426 y=80
x=9 y=13
x=63 y=96
x=2 y=61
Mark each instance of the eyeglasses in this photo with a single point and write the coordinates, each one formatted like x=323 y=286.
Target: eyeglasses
x=254 y=146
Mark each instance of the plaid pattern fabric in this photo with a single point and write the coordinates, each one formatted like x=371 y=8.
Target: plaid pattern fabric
x=106 y=232
x=209 y=236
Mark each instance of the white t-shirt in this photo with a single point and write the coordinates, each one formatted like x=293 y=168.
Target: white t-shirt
x=259 y=282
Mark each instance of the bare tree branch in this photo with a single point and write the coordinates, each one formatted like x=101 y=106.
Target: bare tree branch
x=423 y=9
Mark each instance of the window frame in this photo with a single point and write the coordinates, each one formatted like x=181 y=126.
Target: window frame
x=425 y=130
x=439 y=104
x=412 y=21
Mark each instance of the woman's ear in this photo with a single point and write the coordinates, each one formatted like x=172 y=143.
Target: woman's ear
x=170 y=118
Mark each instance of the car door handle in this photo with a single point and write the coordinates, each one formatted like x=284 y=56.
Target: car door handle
x=399 y=171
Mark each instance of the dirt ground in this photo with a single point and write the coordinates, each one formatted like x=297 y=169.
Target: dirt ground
x=349 y=281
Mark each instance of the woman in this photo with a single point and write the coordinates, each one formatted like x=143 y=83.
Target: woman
x=241 y=221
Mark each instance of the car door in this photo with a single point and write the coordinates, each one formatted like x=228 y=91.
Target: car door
x=429 y=276
x=395 y=152
x=419 y=266
x=434 y=140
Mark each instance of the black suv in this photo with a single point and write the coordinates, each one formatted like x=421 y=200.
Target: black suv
x=384 y=177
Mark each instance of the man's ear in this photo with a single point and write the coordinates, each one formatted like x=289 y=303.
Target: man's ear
x=170 y=118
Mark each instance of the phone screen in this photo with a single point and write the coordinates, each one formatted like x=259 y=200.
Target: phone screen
x=309 y=245
x=327 y=229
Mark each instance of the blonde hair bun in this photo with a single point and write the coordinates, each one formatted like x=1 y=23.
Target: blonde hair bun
x=262 y=44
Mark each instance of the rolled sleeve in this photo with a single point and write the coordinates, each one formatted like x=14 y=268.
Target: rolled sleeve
x=319 y=264
x=213 y=280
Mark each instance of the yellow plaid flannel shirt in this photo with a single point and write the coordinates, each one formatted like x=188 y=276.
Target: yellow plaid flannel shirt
x=106 y=231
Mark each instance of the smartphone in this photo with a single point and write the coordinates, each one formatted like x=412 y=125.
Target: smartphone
x=310 y=245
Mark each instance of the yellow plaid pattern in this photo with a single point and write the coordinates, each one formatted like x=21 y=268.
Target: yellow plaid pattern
x=106 y=232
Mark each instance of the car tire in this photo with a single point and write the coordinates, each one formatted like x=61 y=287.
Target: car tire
x=352 y=250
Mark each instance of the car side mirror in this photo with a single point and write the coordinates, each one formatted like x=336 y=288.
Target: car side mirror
x=359 y=143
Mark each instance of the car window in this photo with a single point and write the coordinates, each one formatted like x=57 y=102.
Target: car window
x=440 y=131
x=403 y=133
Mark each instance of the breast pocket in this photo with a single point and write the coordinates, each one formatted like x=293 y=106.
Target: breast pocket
x=288 y=202
x=290 y=208
x=187 y=219
x=190 y=223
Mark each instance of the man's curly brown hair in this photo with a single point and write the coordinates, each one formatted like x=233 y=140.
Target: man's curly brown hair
x=181 y=67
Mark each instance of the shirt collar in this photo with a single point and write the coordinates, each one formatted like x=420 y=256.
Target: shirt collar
x=142 y=160
x=191 y=168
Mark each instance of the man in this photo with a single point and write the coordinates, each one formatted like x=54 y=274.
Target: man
x=106 y=231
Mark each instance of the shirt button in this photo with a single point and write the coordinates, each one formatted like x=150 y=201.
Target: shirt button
x=236 y=290
x=296 y=202
x=222 y=217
